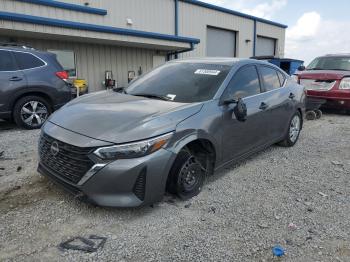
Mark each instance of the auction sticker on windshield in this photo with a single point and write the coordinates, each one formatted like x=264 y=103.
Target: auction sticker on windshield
x=207 y=72
x=171 y=96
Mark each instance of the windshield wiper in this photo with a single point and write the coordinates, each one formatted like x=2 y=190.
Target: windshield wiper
x=120 y=90
x=165 y=98
x=338 y=69
x=316 y=68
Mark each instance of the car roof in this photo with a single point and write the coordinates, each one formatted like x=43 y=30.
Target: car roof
x=16 y=48
x=337 y=55
x=26 y=49
x=230 y=61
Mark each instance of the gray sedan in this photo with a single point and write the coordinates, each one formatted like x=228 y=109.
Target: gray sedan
x=169 y=130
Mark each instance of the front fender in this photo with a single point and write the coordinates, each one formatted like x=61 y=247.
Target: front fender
x=182 y=138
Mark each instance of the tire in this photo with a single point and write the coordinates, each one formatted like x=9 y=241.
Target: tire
x=292 y=136
x=186 y=177
x=318 y=113
x=310 y=115
x=30 y=112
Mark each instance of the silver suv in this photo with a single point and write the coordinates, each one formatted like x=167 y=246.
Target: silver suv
x=32 y=85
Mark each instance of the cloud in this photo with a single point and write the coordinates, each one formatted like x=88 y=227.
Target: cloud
x=312 y=36
x=264 y=10
x=306 y=27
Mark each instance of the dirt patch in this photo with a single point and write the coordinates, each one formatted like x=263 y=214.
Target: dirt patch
x=24 y=195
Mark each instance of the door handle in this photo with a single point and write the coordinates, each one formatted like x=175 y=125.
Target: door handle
x=291 y=96
x=15 y=78
x=263 y=106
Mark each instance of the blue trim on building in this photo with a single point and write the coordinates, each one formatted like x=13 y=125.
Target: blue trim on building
x=232 y=12
x=90 y=27
x=176 y=17
x=68 y=6
x=254 y=39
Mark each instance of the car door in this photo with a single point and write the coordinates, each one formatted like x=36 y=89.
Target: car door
x=11 y=79
x=278 y=99
x=241 y=137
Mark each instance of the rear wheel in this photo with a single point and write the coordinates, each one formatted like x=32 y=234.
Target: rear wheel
x=318 y=113
x=310 y=115
x=186 y=176
x=294 y=129
x=31 y=112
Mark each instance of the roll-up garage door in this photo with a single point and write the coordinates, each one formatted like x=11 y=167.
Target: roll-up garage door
x=220 y=42
x=265 y=46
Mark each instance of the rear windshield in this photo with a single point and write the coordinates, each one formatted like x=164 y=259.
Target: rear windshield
x=181 y=82
x=330 y=63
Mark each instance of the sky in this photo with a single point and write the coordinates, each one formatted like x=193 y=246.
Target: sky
x=314 y=27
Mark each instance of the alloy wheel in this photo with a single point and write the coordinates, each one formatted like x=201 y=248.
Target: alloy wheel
x=294 y=128
x=34 y=113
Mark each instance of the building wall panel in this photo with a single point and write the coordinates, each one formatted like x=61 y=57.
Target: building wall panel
x=97 y=51
x=194 y=21
x=150 y=15
x=275 y=32
x=92 y=60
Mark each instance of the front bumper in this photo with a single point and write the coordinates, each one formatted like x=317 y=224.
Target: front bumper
x=334 y=99
x=337 y=104
x=121 y=183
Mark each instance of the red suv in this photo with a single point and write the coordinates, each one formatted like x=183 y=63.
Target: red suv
x=328 y=77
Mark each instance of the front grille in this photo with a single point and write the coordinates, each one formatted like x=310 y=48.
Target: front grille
x=70 y=162
x=321 y=85
x=140 y=185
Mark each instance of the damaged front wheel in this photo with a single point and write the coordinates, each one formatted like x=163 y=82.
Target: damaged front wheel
x=186 y=176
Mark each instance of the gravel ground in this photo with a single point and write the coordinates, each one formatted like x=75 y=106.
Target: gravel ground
x=241 y=214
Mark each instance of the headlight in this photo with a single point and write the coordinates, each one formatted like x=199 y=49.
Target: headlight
x=345 y=83
x=133 y=150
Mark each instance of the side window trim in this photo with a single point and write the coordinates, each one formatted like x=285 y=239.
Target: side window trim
x=45 y=64
x=240 y=69
x=262 y=82
x=284 y=78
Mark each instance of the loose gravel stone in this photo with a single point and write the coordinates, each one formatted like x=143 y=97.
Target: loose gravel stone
x=272 y=189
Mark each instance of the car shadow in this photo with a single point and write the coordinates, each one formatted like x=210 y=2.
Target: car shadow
x=328 y=111
x=234 y=165
x=6 y=125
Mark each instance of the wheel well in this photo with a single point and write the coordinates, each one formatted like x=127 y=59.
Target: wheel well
x=43 y=95
x=205 y=153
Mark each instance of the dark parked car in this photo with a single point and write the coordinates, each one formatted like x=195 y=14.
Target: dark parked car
x=328 y=77
x=32 y=85
x=169 y=130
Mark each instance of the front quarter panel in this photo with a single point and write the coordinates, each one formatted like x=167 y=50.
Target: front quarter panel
x=206 y=124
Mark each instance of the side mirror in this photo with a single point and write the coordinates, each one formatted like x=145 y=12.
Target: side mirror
x=240 y=110
x=301 y=68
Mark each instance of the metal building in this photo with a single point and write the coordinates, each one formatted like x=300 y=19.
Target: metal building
x=129 y=37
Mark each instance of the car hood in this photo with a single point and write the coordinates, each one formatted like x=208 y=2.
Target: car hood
x=120 y=118
x=323 y=74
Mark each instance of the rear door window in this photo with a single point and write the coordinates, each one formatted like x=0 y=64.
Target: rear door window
x=7 y=62
x=244 y=83
x=270 y=78
x=27 y=61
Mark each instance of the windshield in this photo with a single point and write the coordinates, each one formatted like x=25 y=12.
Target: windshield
x=330 y=63
x=181 y=82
